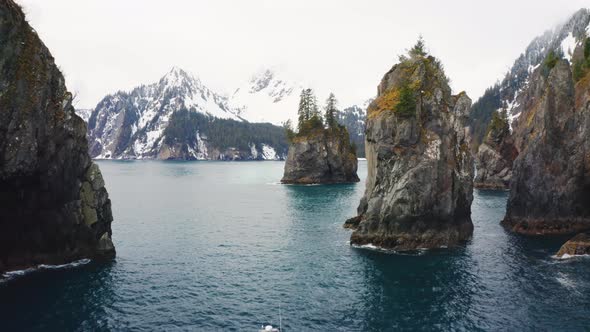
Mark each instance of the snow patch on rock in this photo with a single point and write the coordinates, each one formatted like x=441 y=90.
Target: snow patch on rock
x=568 y=45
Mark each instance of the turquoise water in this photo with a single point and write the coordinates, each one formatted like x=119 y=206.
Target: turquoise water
x=219 y=245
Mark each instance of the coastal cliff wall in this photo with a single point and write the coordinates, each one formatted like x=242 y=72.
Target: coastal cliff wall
x=54 y=206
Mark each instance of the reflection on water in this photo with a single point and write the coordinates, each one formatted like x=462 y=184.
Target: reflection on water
x=216 y=245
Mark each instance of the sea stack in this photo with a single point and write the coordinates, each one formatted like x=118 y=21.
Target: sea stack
x=54 y=207
x=550 y=187
x=319 y=153
x=420 y=170
x=495 y=155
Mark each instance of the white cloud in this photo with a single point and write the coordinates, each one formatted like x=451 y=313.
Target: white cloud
x=340 y=45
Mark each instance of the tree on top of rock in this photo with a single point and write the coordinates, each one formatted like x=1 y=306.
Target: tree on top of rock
x=419 y=49
x=302 y=113
x=499 y=125
x=308 y=114
x=330 y=111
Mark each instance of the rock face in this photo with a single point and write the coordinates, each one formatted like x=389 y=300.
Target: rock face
x=420 y=170
x=576 y=246
x=54 y=207
x=495 y=156
x=550 y=187
x=323 y=156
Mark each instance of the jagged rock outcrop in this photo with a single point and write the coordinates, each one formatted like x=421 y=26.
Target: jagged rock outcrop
x=322 y=156
x=420 y=170
x=550 y=187
x=495 y=155
x=576 y=246
x=54 y=206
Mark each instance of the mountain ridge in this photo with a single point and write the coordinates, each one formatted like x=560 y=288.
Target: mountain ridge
x=133 y=124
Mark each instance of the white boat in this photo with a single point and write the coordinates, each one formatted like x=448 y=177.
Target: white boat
x=269 y=328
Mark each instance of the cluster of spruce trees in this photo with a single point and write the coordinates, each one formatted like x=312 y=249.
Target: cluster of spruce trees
x=310 y=119
x=223 y=133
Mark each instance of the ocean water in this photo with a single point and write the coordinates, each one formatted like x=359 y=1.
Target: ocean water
x=221 y=246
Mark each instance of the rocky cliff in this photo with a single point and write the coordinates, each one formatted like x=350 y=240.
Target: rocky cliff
x=550 y=187
x=321 y=156
x=420 y=171
x=495 y=155
x=54 y=207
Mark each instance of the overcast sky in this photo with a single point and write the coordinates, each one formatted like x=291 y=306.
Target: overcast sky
x=345 y=46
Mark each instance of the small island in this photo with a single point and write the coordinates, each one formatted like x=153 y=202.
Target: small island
x=320 y=151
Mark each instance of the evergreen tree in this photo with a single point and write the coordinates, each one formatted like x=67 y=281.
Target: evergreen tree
x=419 y=49
x=406 y=106
x=331 y=110
x=289 y=129
x=301 y=112
x=313 y=105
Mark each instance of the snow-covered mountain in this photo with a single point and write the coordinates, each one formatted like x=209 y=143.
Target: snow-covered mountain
x=266 y=97
x=354 y=119
x=84 y=113
x=504 y=95
x=177 y=117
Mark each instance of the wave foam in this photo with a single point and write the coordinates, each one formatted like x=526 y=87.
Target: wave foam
x=18 y=273
x=370 y=246
x=568 y=256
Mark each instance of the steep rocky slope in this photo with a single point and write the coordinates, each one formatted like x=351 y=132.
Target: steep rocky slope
x=495 y=155
x=419 y=186
x=54 y=207
x=550 y=187
x=507 y=94
x=322 y=156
